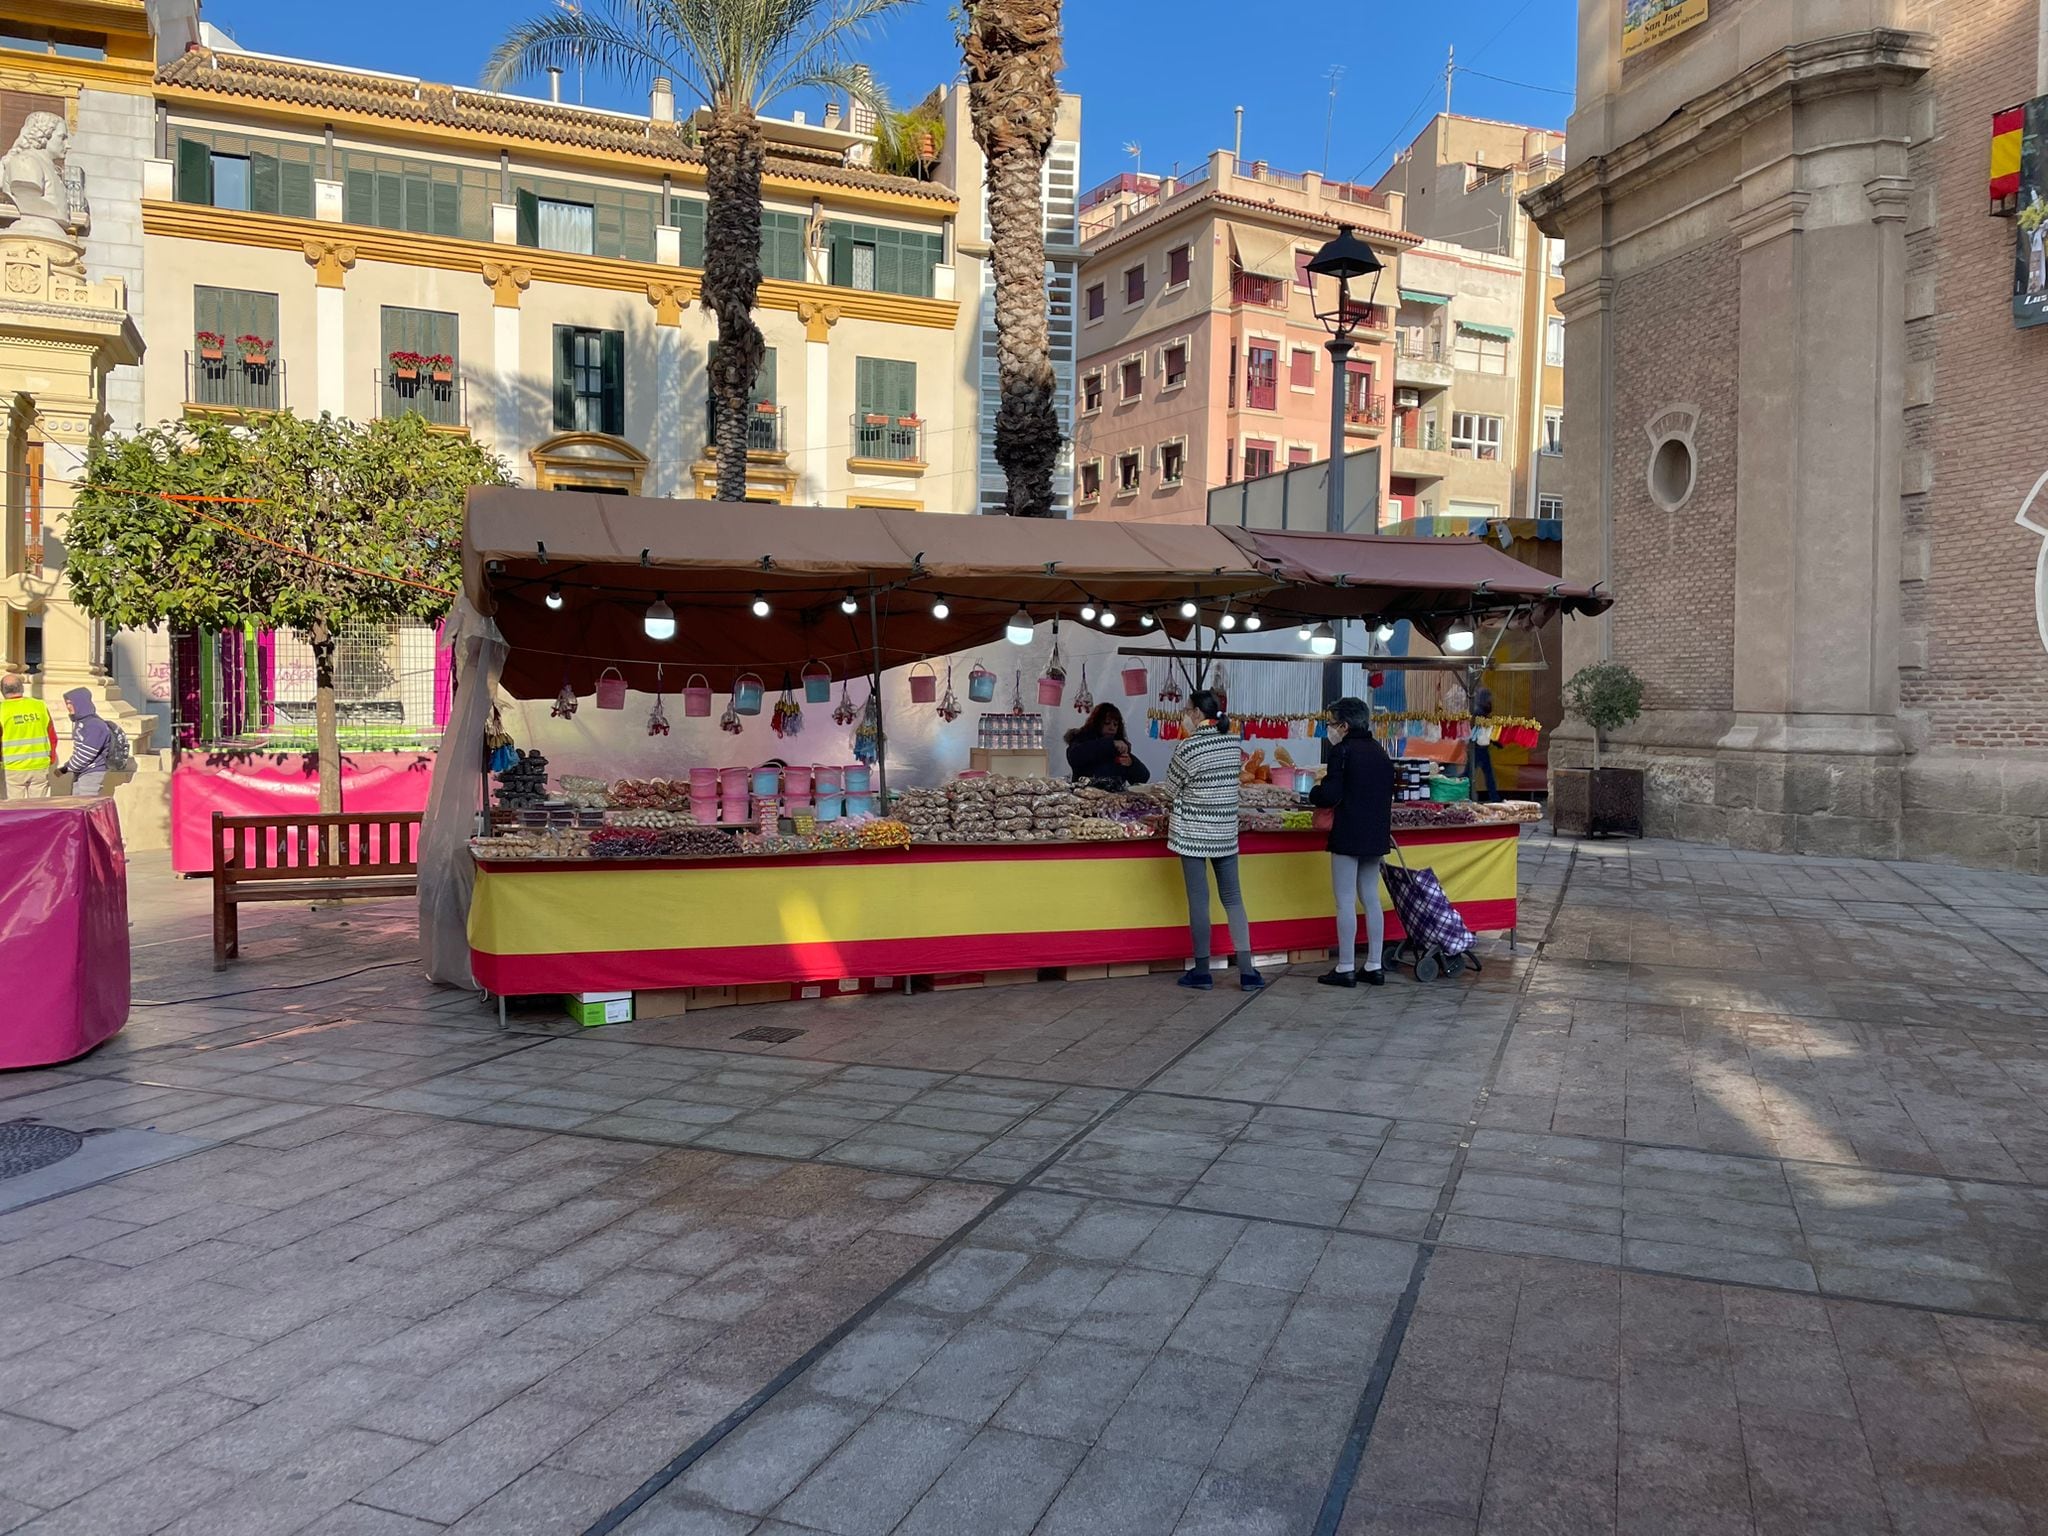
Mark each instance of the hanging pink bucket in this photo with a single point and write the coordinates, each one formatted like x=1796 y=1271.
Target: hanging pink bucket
x=817 y=683
x=697 y=696
x=733 y=808
x=704 y=781
x=1051 y=689
x=734 y=781
x=924 y=686
x=746 y=695
x=1137 y=683
x=611 y=689
x=704 y=812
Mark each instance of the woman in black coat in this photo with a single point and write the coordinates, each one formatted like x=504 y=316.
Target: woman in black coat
x=1358 y=788
x=1099 y=753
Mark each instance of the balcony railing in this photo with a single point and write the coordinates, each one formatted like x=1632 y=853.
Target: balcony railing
x=443 y=402
x=888 y=439
x=1259 y=292
x=1426 y=439
x=764 y=428
x=1421 y=349
x=228 y=383
x=1366 y=317
x=1366 y=411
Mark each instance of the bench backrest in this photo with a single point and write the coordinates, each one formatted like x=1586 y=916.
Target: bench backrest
x=316 y=846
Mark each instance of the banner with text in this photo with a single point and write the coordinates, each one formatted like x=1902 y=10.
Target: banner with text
x=1646 y=23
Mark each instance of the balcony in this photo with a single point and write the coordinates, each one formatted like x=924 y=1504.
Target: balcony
x=230 y=386
x=764 y=430
x=1423 y=363
x=444 y=403
x=887 y=445
x=1365 y=415
x=1428 y=457
x=1370 y=322
x=1258 y=292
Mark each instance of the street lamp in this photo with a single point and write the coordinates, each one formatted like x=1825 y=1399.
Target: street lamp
x=1346 y=260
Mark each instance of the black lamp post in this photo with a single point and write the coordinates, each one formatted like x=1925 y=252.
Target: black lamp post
x=1348 y=260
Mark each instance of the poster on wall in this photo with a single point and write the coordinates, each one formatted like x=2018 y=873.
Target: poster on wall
x=1646 y=23
x=2030 y=259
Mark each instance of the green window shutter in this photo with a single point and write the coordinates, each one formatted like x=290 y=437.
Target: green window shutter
x=359 y=196
x=614 y=364
x=194 y=181
x=529 y=217
x=418 y=209
x=867 y=394
x=903 y=389
x=207 y=312
x=841 y=239
x=934 y=254
x=688 y=217
x=390 y=200
x=391 y=339
x=444 y=336
x=565 y=375
x=764 y=381
x=263 y=182
x=447 y=209
x=888 y=263
x=295 y=192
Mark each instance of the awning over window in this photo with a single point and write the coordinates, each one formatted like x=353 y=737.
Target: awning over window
x=1263 y=253
x=1423 y=296
x=1497 y=332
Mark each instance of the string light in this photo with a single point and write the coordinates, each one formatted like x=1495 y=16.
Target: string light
x=1323 y=640
x=1189 y=609
x=1304 y=633
x=761 y=608
x=1146 y=621
x=1228 y=621
x=1384 y=634
x=1020 y=628
x=1253 y=621
x=1088 y=612
x=555 y=597
x=941 y=610
x=660 y=622
x=849 y=603
x=1460 y=637
x=1108 y=619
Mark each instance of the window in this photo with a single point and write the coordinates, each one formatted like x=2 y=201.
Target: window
x=1297 y=455
x=230 y=314
x=877 y=259
x=1261 y=376
x=782 y=240
x=422 y=197
x=886 y=424
x=1481 y=352
x=59 y=42
x=1553 y=342
x=1475 y=437
x=1130 y=471
x=1301 y=368
x=1134 y=285
x=1091 y=393
x=1550 y=507
x=425 y=334
x=764 y=422
x=1303 y=278
x=1361 y=402
x=228 y=170
x=1173 y=363
x=1179 y=262
x=1258 y=458
x=1553 y=431
x=1556 y=258
x=1173 y=461
x=1095 y=301
x=1229 y=460
x=590 y=380
x=1091 y=480
x=1479 y=511
x=1233 y=375
x=1131 y=378
x=585 y=218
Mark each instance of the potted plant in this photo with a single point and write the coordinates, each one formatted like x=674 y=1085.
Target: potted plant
x=440 y=367
x=764 y=407
x=1593 y=802
x=255 y=351
x=909 y=421
x=212 y=346
x=405 y=366
x=877 y=419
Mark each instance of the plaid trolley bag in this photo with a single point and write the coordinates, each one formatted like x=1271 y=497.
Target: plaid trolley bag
x=1438 y=943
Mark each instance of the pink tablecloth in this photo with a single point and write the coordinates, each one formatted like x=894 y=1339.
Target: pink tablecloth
x=63 y=929
x=251 y=784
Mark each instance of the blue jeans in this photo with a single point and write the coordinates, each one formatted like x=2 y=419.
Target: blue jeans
x=1482 y=762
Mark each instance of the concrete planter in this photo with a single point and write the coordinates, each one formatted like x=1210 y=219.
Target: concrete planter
x=1597 y=802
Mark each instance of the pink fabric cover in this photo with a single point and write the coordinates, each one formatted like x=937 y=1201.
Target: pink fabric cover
x=63 y=929
x=281 y=785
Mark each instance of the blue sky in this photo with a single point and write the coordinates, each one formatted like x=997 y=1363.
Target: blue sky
x=1163 y=74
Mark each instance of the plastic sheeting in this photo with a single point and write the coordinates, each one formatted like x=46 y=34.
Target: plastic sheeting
x=63 y=929
x=447 y=874
x=236 y=783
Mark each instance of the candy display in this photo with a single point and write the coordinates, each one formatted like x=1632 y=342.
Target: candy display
x=525 y=783
x=1507 y=811
x=1421 y=815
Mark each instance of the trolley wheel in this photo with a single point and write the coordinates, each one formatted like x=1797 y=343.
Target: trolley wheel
x=1427 y=969
x=1454 y=965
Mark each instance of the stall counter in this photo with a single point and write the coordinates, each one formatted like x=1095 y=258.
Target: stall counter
x=63 y=929
x=540 y=926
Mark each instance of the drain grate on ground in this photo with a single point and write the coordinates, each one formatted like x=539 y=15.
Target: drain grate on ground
x=768 y=1036
x=26 y=1146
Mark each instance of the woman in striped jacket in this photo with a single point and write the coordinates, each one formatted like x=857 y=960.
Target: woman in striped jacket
x=1202 y=780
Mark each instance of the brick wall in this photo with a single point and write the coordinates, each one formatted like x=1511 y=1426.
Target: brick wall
x=1985 y=679
x=1675 y=572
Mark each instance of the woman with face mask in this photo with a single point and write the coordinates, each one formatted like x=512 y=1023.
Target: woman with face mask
x=1358 y=790
x=1203 y=780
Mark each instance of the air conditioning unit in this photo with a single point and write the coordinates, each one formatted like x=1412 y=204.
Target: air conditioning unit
x=1407 y=399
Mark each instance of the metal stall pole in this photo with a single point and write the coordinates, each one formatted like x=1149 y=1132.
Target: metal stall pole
x=881 y=730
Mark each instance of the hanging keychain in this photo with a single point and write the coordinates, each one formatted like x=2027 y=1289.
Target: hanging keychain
x=657 y=717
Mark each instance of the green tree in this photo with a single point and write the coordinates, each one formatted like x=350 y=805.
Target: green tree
x=1607 y=696
x=736 y=57
x=334 y=523
x=1012 y=49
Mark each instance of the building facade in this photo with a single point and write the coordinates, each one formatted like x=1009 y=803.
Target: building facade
x=1800 y=402
x=1202 y=361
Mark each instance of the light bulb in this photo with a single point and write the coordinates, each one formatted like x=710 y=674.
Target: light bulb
x=761 y=609
x=849 y=604
x=1323 y=640
x=1146 y=620
x=1229 y=621
x=1460 y=637
x=1020 y=628
x=660 y=622
x=555 y=597
x=1108 y=619
x=1087 y=613
x=1384 y=634
x=1304 y=633
x=1253 y=621
x=940 y=609
x=1189 y=609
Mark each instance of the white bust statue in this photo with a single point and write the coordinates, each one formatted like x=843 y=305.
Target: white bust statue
x=39 y=195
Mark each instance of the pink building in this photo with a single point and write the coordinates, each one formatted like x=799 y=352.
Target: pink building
x=1202 y=361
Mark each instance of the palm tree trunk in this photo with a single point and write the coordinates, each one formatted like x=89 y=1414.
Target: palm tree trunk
x=733 y=157
x=1012 y=49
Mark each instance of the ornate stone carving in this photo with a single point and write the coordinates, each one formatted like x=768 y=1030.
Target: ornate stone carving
x=669 y=301
x=39 y=194
x=818 y=317
x=506 y=282
x=330 y=259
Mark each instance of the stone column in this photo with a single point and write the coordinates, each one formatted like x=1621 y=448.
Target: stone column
x=669 y=299
x=330 y=260
x=820 y=429
x=507 y=282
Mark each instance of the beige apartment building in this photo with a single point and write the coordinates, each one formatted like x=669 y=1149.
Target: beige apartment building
x=1202 y=361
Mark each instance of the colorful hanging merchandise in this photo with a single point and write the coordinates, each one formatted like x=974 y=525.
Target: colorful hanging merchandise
x=565 y=701
x=867 y=740
x=1169 y=691
x=1053 y=682
x=788 y=718
x=499 y=740
x=845 y=714
x=657 y=717
x=1084 y=701
x=949 y=703
x=729 y=722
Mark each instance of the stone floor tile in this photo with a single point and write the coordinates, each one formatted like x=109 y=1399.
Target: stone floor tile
x=1073 y=1390
x=473 y=1464
x=756 y=1466
x=1132 y=1496
x=871 y=1482
x=1428 y=1455
x=999 y=1486
x=1179 y=1408
x=972 y=1373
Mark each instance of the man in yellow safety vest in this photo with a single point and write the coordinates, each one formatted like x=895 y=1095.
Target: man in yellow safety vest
x=28 y=742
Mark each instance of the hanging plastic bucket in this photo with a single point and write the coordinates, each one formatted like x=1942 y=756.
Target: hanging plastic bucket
x=858 y=778
x=831 y=807
x=767 y=781
x=1137 y=682
x=796 y=780
x=924 y=685
x=1051 y=689
x=746 y=695
x=817 y=683
x=697 y=696
x=981 y=684
x=611 y=689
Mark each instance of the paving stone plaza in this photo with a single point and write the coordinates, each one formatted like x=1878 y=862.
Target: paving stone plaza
x=1721 y=1206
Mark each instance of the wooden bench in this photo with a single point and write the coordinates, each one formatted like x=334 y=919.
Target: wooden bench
x=342 y=857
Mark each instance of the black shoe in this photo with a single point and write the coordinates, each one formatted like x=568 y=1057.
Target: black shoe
x=1374 y=978
x=1250 y=981
x=1199 y=980
x=1340 y=978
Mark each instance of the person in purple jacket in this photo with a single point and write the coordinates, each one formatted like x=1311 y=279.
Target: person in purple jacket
x=92 y=744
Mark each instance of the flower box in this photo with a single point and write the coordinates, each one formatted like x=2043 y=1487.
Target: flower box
x=212 y=346
x=255 y=351
x=874 y=420
x=909 y=421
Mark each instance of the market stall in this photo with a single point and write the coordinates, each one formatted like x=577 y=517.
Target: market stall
x=807 y=855
x=63 y=929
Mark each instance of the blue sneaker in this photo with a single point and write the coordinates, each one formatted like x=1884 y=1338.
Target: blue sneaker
x=1200 y=980
x=1250 y=981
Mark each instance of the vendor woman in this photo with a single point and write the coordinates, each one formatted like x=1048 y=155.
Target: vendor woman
x=1099 y=753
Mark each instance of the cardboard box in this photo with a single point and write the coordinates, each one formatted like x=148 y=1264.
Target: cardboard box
x=670 y=1003
x=600 y=1010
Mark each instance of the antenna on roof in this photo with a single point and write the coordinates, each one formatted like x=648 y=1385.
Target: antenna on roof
x=1333 y=75
x=1137 y=153
x=575 y=8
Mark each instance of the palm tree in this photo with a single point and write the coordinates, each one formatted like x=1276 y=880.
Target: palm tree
x=1012 y=48
x=736 y=56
